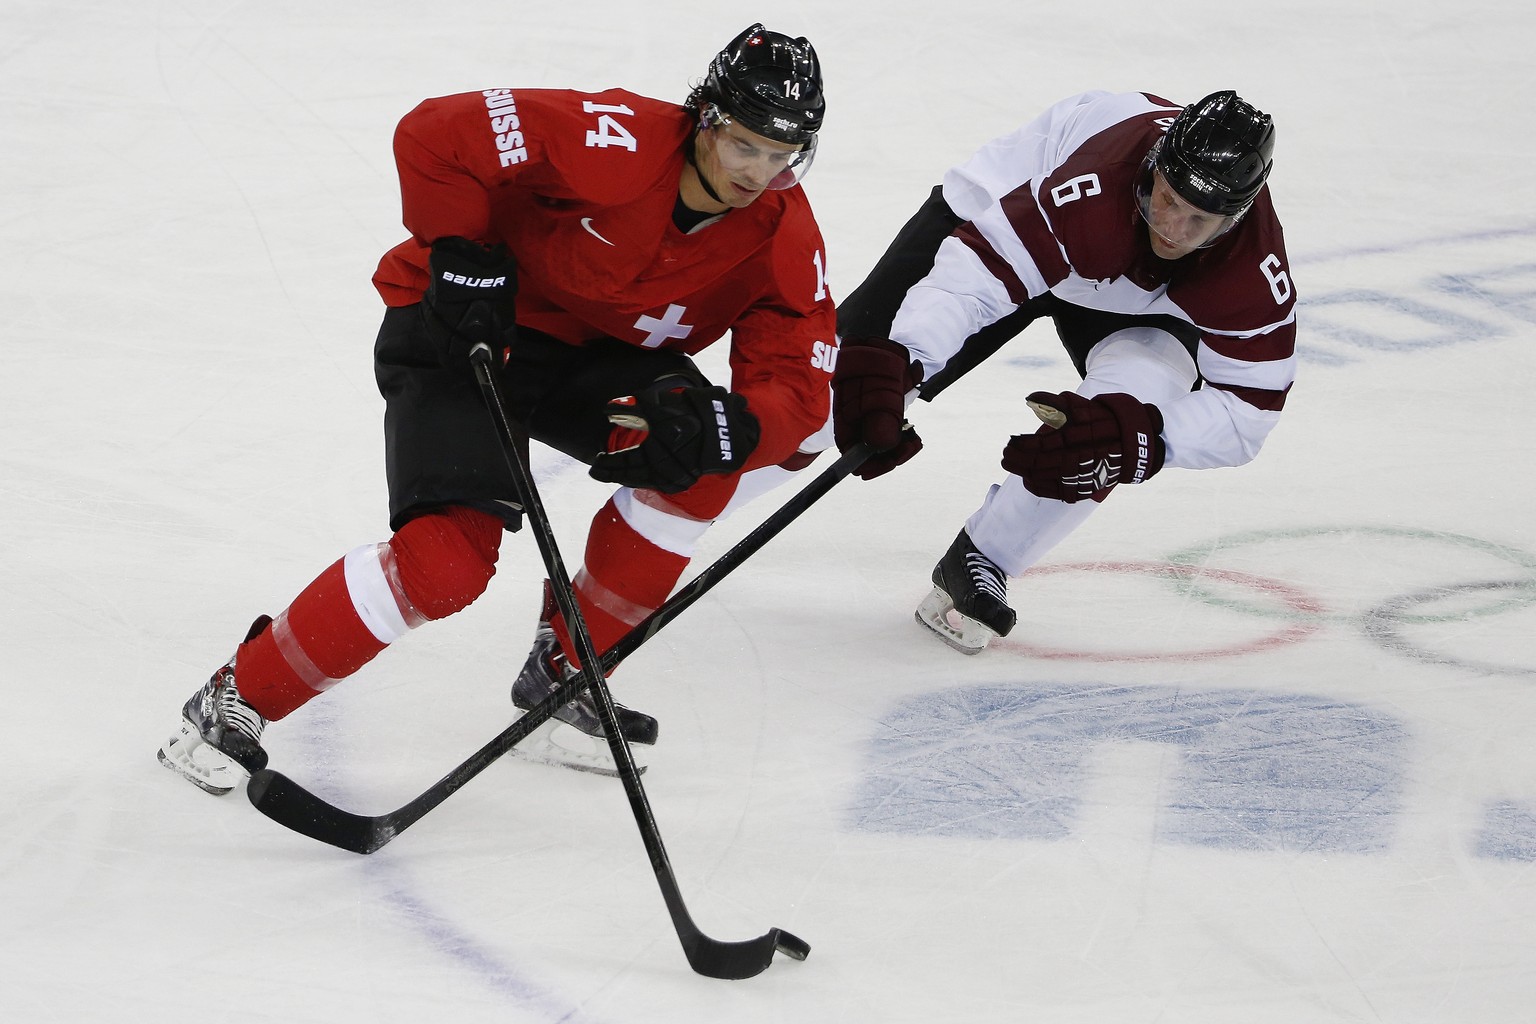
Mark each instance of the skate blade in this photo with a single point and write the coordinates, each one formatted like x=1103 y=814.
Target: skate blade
x=206 y=767
x=562 y=746
x=968 y=637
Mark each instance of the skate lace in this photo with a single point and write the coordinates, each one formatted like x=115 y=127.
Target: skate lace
x=563 y=671
x=985 y=576
x=541 y=674
x=237 y=713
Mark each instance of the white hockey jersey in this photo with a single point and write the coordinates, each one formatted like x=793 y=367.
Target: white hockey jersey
x=1052 y=208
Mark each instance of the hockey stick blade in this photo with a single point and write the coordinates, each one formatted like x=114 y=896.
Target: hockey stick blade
x=737 y=961
x=291 y=805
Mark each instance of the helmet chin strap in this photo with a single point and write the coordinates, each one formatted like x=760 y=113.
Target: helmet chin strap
x=704 y=182
x=699 y=171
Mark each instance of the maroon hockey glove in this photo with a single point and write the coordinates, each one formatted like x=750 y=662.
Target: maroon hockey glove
x=470 y=297
x=687 y=432
x=1087 y=445
x=869 y=391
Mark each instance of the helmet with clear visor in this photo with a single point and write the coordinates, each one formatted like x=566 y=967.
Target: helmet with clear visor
x=1199 y=179
x=770 y=85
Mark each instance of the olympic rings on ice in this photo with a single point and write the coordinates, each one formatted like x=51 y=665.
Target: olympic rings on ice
x=1460 y=546
x=1384 y=623
x=1404 y=623
x=1305 y=609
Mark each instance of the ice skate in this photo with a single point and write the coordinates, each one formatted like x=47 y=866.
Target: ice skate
x=218 y=743
x=968 y=605
x=574 y=737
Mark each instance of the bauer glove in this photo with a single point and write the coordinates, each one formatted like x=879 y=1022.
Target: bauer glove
x=1086 y=445
x=470 y=298
x=668 y=438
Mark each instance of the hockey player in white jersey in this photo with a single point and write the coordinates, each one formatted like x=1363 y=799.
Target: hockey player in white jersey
x=1145 y=232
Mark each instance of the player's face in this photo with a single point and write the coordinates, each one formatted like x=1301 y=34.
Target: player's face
x=740 y=165
x=1175 y=226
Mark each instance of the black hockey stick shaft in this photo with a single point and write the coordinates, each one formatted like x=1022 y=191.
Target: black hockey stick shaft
x=732 y=559
x=707 y=956
x=291 y=805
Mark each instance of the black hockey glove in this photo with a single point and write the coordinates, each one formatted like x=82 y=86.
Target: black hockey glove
x=674 y=436
x=470 y=298
x=869 y=390
x=1087 y=445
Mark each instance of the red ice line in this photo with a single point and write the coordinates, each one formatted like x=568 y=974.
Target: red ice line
x=1292 y=596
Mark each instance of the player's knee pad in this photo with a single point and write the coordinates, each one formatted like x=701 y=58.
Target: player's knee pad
x=446 y=559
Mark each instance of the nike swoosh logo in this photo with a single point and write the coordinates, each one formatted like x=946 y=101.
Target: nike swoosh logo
x=586 y=224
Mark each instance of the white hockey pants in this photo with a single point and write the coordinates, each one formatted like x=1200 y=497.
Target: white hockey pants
x=1015 y=528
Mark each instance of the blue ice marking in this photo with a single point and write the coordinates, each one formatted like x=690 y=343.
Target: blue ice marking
x=1509 y=832
x=1506 y=291
x=1445 y=328
x=1510 y=289
x=1256 y=770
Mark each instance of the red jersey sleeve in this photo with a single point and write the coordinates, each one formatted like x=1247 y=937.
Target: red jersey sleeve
x=450 y=152
x=783 y=348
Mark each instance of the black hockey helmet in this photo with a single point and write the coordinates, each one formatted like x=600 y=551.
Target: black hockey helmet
x=1217 y=153
x=768 y=83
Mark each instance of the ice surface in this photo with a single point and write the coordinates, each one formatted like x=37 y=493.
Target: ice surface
x=1260 y=749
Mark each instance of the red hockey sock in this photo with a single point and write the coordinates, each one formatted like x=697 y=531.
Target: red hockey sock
x=319 y=640
x=625 y=578
x=432 y=567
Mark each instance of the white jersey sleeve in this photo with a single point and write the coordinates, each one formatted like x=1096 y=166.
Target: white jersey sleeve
x=963 y=293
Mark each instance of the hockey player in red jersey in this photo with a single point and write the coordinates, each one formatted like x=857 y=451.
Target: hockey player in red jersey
x=1145 y=232
x=596 y=241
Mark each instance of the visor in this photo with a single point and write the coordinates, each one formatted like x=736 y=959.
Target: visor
x=1176 y=220
x=783 y=168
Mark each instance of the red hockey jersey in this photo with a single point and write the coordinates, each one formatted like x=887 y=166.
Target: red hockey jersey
x=581 y=187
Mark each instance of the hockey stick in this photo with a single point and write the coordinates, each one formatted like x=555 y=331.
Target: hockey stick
x=710 y=957
x=292 y=806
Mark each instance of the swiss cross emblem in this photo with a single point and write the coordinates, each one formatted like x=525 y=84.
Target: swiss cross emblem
x=671 y=325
